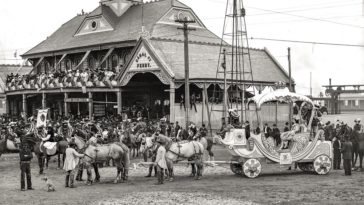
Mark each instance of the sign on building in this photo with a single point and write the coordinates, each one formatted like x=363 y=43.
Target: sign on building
x=143 y=61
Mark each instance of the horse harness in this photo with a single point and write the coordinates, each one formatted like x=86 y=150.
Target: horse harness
x=194 y=157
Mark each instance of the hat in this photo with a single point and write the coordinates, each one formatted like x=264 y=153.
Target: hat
x=357 y=120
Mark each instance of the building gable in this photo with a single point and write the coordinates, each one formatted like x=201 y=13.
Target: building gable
x=144 y=59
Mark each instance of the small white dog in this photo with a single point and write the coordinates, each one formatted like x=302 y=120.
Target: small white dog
x=49 y=184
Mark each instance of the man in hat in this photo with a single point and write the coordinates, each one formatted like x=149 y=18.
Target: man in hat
x=346 y=150
x=25 y=155
x=276 y=134
x=160 y=161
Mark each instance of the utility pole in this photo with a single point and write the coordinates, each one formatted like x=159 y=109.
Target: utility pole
x=311 y=84
x=185 y=21
x=290 y=86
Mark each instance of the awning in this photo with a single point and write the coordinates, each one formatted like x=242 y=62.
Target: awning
x=83 y=59
x=59 y=62
x=105 y=57
x=282 y=95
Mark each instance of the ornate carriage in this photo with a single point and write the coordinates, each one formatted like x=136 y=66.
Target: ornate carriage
x=311 y=153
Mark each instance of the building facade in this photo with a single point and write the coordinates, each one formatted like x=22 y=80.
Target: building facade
x=128 y=58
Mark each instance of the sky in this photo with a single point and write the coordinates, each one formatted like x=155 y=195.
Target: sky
x=26 y=23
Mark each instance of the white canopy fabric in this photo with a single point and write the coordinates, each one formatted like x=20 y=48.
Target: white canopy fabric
x=282 y=95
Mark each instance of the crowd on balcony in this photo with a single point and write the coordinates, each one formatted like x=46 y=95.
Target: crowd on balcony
x=62 y=79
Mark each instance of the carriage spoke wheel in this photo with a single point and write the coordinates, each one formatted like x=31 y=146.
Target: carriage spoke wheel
x=252 y=168
x=236 y=169
x=322 y=164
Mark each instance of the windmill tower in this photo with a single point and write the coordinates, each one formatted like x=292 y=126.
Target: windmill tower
x=234 y=65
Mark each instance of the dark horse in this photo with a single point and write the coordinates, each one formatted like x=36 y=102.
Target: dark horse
x=43 y=157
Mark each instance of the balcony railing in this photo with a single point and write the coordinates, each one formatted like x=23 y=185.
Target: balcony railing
x=67 y=79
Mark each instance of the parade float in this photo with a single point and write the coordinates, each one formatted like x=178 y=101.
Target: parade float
x=311 y=153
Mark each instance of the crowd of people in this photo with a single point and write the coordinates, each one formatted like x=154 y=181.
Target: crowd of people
x=60 y=79
x=109 y=130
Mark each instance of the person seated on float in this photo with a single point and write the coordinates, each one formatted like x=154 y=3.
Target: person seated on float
x=234 y=118
x=286 y=137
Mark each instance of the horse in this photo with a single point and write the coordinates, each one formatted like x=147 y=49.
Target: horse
x=43 y=157
x=177 y=151
x=7 y=145
x=102 y=153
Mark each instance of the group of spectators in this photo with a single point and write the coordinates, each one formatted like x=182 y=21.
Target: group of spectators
x=59 y=79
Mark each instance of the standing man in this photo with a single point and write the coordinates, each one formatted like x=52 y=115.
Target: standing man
x=26 y=156
x=347 y=148
x=276 y=134
x=182 y=102
x=71 y=163
x=193 y=101
x=336 y=144
x=160 y=161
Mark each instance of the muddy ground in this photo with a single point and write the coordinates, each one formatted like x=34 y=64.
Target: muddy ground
x=276 y=185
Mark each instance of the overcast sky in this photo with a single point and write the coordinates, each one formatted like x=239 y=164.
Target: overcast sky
x=26 y=23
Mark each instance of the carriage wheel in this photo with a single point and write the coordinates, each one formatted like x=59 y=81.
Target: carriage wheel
x=252 y=168
x=236 y=169
x=322 y=164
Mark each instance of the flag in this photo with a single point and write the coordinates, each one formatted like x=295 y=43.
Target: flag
x=42 y=118
x=15 y=54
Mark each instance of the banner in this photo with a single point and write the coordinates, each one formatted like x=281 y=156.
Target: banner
x=42 y=118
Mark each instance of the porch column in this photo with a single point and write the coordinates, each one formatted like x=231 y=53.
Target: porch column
x=203 y=103
x=7 y=111
x=65 y=105
x=25 y=106
x=172 y=91
x=119 y=100
x=44 y=104
x=90 y=106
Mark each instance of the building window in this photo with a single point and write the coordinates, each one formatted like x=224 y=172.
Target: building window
x=68 y=64
x=356 y=103
x=2 y=103
x=346 y=102
x=104 y=64
x=114 y=62
x=91 y=63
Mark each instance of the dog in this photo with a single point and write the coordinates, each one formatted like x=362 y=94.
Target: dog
x=50 y=186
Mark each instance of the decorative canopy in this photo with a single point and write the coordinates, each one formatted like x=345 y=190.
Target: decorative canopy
x=282 y=95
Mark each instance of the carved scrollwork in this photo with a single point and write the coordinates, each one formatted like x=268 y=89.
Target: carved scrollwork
x=165 y=80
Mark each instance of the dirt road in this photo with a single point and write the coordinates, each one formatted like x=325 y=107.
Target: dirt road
x=219 y=185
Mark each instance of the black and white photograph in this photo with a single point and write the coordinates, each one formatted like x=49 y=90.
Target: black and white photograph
x=191 y=102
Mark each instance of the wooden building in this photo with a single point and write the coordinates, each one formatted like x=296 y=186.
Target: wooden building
x=139 y=43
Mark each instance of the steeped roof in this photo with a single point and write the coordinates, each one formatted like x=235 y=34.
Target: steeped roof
x=204 y=61
x=126 y=28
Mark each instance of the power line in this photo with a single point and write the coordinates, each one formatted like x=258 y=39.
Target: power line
x=308 y=9
x=309 y=42
x=311 y=18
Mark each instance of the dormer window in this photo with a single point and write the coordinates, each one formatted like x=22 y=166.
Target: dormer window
x=93 y=25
